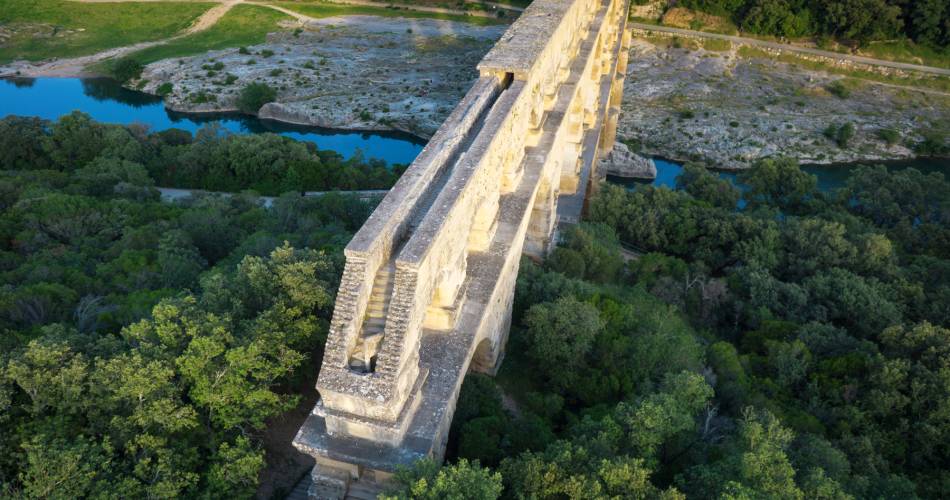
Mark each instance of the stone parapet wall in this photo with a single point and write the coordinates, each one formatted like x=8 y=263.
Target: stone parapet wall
x=446 y=242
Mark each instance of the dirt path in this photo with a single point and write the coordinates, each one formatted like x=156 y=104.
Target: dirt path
x=75 y=66
x=422 y=8
x=792 y=48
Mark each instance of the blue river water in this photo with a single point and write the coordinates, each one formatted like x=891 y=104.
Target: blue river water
x=108 y=102
x=829 y=176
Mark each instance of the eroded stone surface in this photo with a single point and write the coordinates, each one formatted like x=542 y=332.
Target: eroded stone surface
x=728 y=111
x=621 y=162
x=355 y=72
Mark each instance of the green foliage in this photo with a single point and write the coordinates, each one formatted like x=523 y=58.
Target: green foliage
x=589 y=251
x=856 y=21
x=704 y=185
x=69 y=29
x=890 y=136
x=838 y=89
x=255 y=95
x=110 y=158
x=461 y=481
x=841 y=134
x=126 y=69
x=243 y=25
x=560 y=334
x=164 y=89
x=145 y=345
x=779 y=183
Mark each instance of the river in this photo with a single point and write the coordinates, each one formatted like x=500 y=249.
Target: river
x=829 y=176
x=108 y=102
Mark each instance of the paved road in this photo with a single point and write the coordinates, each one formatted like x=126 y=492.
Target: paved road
x=793 y=48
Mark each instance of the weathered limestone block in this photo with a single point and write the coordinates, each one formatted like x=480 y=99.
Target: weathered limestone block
x=622 y=162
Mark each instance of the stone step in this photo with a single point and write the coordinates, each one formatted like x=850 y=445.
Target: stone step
x=362 y=491
x=300 y=491
x=374 y=321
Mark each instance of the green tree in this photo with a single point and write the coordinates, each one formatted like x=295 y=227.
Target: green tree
x=462 y=481
x=779 y=183
x=255 y=95
x=559 y=336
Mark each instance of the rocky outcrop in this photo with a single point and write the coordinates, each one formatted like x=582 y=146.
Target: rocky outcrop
x=728 y=108
x=621 y=162
x=363 y=73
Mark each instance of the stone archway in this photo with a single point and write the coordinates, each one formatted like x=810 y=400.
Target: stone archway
x=485 y=357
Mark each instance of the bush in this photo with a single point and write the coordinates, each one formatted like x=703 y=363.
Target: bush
x=890 y=136
x=838 y=89
x=255 y=95
x=126 y=69
x=841 y=134
x=932 y=145
x=164 y=89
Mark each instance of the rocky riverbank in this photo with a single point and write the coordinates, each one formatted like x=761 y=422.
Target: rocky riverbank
x=728 y=109
x=354 y=73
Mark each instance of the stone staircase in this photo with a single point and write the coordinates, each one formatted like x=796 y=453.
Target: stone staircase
x=363 y=356
x=357 y=490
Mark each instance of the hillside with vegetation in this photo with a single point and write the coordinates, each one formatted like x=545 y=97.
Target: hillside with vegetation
x=145 y=347
x=862 y=21
x=794 y=348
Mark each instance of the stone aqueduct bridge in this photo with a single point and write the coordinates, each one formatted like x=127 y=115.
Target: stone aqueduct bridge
x=429 y=279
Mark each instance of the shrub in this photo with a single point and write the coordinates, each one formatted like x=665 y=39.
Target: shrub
x=841 y=134
x=243 y=50
x=255 y=95
x=838 y=89
x=933 y=144
x=164 y=89
x=126 y=69
x=890 y=136
x=267 y=53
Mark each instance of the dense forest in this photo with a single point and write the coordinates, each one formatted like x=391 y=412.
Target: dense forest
x=144 y=345
x=269 y=164
x=674 y=345
x=924 y=21
x=795 y=348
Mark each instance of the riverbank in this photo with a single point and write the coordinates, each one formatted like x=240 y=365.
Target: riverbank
x=354 y=73
x=728 y=107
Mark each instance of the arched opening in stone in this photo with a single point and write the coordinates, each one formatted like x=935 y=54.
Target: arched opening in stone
x=483 y=361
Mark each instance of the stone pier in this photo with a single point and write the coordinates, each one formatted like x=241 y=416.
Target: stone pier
x=428 y=284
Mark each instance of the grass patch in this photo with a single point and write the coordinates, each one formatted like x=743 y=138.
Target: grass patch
x=243 y=25
x=321 y=10
x=679 y=17
x=909 y=52
x=940 y=83
x=59 y=28
x=716 y=45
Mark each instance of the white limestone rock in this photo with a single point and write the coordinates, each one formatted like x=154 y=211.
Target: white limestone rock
x=621 y=162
